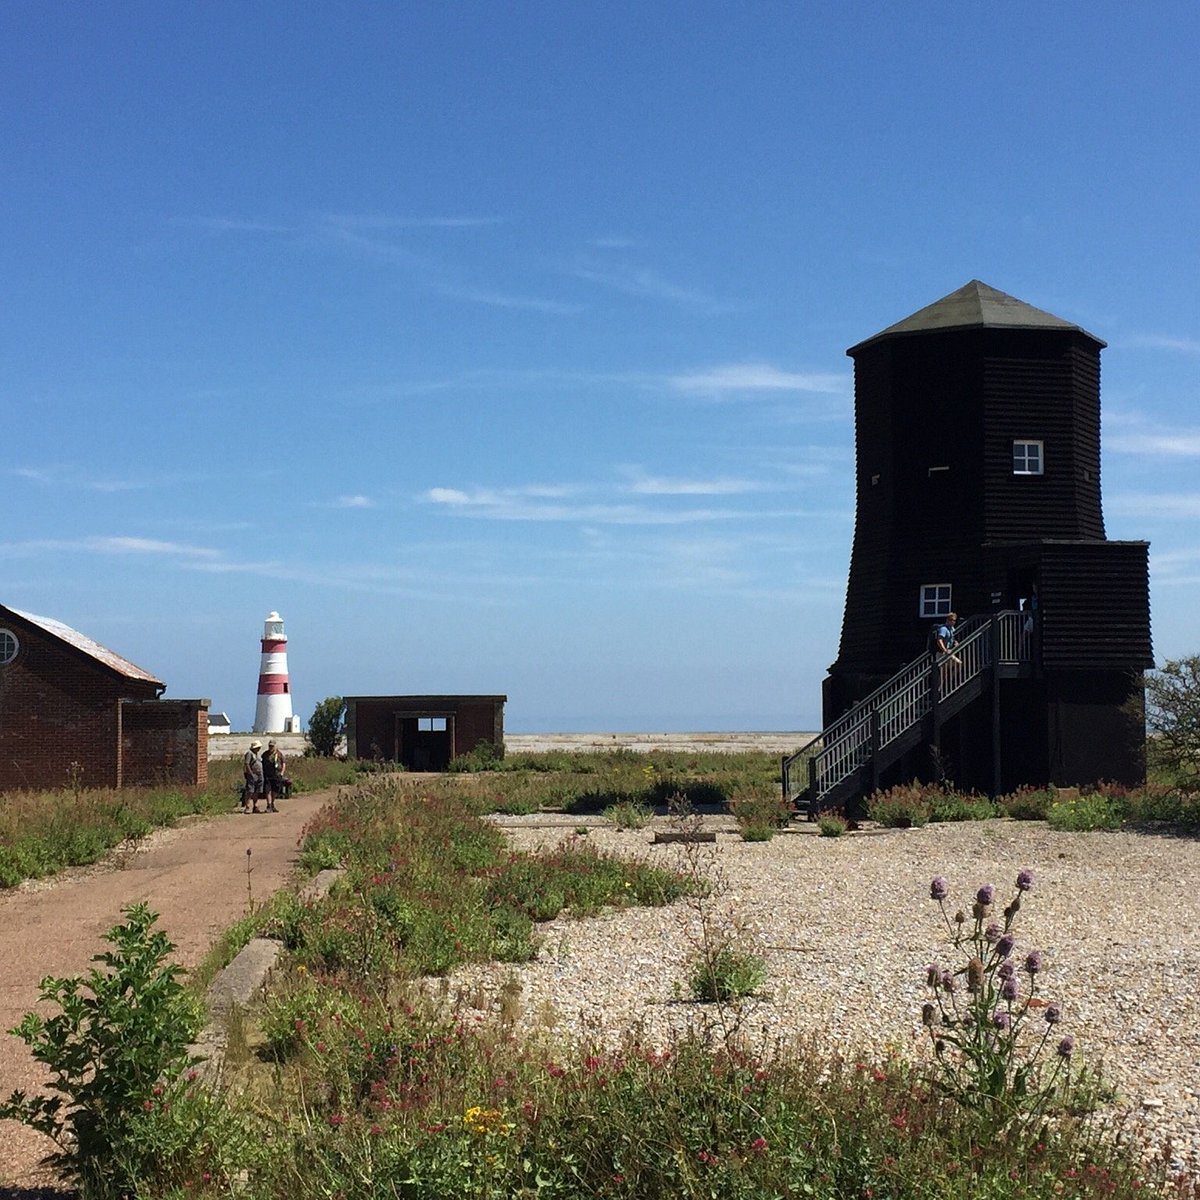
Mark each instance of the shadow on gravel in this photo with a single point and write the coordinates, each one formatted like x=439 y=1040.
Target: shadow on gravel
x=37 y=1193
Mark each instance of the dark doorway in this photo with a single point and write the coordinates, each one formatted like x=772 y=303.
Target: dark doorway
x=424 y=741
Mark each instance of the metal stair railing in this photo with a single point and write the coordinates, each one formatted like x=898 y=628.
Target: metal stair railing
x=903 y=701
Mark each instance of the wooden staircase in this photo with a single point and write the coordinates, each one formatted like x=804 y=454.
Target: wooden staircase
x=844 y=762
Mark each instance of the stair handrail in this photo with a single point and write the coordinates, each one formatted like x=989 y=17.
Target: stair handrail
x=907 y=692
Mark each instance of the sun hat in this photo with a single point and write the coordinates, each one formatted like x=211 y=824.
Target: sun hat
x=256 y=745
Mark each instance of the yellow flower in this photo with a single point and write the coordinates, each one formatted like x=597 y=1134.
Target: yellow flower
x=479 y=1121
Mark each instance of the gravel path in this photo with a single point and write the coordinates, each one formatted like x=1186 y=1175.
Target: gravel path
x=194 y=876
x=846 y=927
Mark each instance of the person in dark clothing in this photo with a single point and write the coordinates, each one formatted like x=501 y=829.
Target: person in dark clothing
x=273 y=778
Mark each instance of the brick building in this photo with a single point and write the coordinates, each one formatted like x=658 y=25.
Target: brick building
x=422 y=732
x=66 y=699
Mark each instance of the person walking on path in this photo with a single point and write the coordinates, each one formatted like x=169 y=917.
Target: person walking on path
x=252 y=772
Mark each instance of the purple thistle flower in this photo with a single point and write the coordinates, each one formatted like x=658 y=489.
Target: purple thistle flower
x=1024 y=880
x=1008 y=989
x=1066 y=1047
x=938 y=888
x=1033 y=962
x=992 y=932
x=1006 y=969
x=986 y=894
x=1000 y=1019
x=933 y=975
x=947 y=981
x=1005 y=944
x=1053 y=1015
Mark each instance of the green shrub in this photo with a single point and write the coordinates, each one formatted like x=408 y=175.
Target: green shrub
x=1154 y=803
x=760 y=812
x=1084 y=813
x=1027 y=803
x=729 y=973
x=628 y=814
x=832 y=824
x=326 y=725
x=483 y=756
x=125 y=1114
x=698 y=792
x=901 y=807
x=953 y=806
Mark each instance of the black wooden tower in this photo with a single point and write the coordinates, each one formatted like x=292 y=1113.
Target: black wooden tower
x=977 y=429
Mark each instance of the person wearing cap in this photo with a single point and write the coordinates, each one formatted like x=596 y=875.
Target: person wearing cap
x=272 y=765
x=252 y=771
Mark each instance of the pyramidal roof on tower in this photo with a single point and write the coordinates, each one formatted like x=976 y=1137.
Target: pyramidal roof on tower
x=975 y=305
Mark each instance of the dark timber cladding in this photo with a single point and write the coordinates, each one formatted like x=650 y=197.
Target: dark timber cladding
x=977 y=434
x=422 y=732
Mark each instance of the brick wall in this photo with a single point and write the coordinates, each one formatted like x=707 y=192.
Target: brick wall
x=59 y=707
x=164 y=741
x=56 y=709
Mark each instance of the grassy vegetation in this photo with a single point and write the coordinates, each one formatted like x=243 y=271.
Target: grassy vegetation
x=42 y=832
x=1101 y=806
x=361 y=1081
x=596 y=781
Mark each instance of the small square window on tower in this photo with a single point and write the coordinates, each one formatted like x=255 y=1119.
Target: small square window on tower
x=1027 y=458
x=935 y=599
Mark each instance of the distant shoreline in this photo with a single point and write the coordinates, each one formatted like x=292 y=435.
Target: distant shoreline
x=233 y=745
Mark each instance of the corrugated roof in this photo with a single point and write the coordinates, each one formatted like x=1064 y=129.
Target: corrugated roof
x=102 y=654
x=975 y=305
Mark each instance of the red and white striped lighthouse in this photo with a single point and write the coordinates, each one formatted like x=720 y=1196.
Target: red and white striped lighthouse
x=273 y=712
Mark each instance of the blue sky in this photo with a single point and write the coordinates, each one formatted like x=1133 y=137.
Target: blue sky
x=501 y=347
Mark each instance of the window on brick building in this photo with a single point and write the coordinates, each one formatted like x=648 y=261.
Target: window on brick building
x=8 y=646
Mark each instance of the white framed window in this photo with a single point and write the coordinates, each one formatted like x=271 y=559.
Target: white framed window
x=1028 y=458
x=8 y=646
x=935 y=599
x=431 y=724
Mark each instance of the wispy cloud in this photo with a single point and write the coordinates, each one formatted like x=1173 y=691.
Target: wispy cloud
x=1130 y=432
x=356 y=501
x=1178 y=505
x=640 y=281
x=385 y=221
x=1163 y=445
x=231 y=224
x=756 y=377
x=649 y=485
x=107 y=545
x=62 y=476
x=604 y=504
x=1161 y=341
x=613 y=243
x=519 y=505
x=479 y=295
